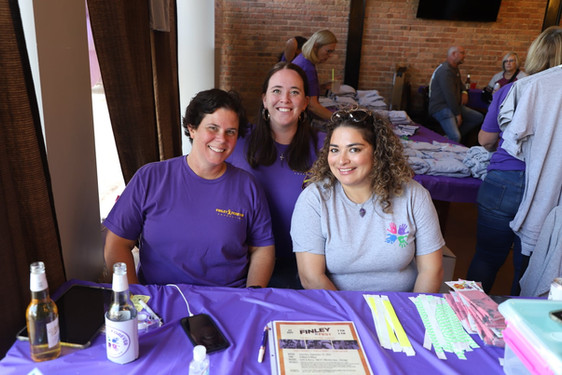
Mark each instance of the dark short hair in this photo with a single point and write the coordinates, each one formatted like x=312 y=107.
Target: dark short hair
x=209 y=101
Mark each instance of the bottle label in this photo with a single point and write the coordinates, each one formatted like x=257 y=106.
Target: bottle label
x=38 y=282
x=120 y=283
x=122 y=340
x=53 y=333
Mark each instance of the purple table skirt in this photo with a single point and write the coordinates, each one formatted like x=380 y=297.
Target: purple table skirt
x=450 y=189
x=241 y=315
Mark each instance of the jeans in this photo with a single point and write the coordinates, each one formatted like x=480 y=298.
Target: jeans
x=498 y=200
x=448 y=121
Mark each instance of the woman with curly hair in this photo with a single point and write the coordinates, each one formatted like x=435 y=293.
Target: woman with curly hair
x=363 y=223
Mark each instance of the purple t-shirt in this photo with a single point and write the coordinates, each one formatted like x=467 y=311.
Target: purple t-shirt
x=192 y=230
x=282 y=187
x=311 y=74
x=500 y=160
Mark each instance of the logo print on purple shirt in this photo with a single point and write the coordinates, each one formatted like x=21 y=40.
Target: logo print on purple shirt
x=401 y=234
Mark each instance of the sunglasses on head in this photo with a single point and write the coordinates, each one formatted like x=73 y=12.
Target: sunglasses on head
x=353 y=114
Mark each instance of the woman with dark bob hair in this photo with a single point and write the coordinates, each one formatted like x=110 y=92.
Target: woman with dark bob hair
x=197 y=219
x=363 y=223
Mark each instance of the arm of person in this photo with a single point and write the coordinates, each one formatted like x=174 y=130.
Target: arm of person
x=118 y=249
x=262 y=261
x=312 y=271
x=318 y=109
x=488 y=140
x=290 y=49
x=464 y=98
x=459 y=120
x=430 y=272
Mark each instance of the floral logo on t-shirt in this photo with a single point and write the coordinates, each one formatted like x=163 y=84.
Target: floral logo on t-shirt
x=401 y=234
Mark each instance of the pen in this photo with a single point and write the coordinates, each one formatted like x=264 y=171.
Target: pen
x=262 y=347
x=150 y=311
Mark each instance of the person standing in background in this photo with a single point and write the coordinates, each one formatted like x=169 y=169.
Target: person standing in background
x=278 y=151
x=317 y=50
x=502 y=191
x=448 y=97
x=293 y=48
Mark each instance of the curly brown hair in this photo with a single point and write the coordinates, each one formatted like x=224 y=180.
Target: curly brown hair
x=390 y=168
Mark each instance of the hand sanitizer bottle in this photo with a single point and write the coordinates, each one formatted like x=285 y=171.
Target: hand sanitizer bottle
x=200 y=363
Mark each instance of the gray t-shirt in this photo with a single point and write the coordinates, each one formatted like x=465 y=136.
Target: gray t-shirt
x=375 y=252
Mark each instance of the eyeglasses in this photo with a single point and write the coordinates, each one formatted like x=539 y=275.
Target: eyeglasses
x=353 y=114
x=509 y=61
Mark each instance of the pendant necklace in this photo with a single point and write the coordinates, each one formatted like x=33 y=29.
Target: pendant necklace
x=282 y=156
x=362 y=212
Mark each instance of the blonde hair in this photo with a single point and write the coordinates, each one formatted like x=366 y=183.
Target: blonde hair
x=545 y=51
x=318 y=40
x=506 y=57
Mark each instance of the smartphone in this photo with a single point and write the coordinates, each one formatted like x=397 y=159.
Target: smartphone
x=81 y=315
x=556 y=315
x=201 y=329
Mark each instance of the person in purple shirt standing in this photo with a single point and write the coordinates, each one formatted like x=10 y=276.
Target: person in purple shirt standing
x=293 y=48
x=498 y=200
x=317 y=50
x=197 y=219
x=280 y=149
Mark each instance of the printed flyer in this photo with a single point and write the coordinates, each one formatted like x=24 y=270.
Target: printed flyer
x=316 y=348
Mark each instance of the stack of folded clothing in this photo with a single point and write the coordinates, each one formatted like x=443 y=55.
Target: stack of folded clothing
x=477 y=159
x=370 y=99
x=436 y=158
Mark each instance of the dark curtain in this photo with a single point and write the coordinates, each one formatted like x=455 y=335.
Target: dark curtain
x=139 y=74
x=28 y=229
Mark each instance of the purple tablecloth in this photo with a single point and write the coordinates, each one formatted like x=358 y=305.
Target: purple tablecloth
x=475 y=100
x=241 y=314
x=449 y=189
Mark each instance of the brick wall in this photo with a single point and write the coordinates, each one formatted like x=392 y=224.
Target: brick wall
x=250 y=34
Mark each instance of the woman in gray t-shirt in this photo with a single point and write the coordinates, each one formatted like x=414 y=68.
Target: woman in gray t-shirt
x=363 y=223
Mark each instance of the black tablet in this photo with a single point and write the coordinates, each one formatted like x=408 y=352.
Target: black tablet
x=81 y=314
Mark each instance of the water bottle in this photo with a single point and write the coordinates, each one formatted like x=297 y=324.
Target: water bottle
x=42 y=317
x=199 y=365
x=121 y=329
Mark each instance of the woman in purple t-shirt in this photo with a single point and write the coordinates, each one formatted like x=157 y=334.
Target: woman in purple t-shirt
x=196 y=219
x=317 y=50
x=501 y=192
x=279 y=150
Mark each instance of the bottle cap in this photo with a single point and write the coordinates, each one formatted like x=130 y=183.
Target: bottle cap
x=199 y=353
x=120 y=282
x=38 y=278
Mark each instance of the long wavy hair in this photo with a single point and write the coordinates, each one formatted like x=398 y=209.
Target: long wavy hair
x=260 y=147
x=390 y=168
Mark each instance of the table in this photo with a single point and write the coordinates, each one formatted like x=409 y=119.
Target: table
x=442 y=188
x=242 y=314
x=475 y=101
